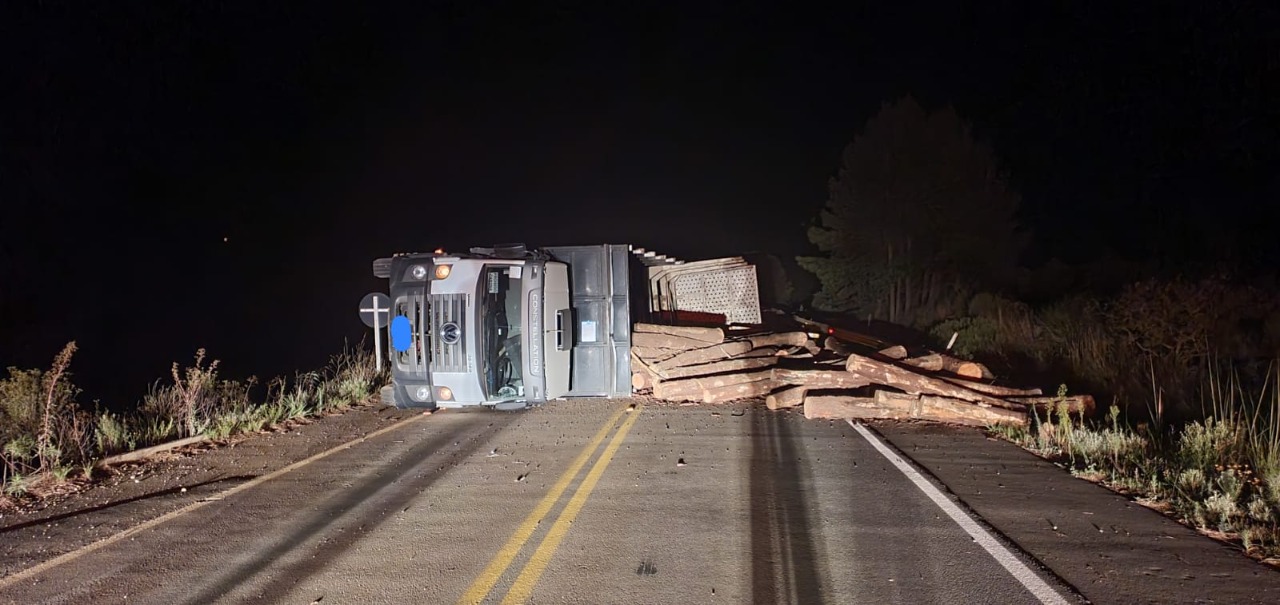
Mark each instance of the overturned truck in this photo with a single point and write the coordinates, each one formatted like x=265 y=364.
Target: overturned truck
x=510 y=326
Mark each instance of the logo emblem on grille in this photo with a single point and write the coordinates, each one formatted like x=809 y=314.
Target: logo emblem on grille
x=450 y=333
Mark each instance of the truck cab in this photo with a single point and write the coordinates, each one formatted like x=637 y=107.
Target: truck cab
x=491 y=327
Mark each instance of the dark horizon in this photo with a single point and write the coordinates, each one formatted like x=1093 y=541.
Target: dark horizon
x=318 y=137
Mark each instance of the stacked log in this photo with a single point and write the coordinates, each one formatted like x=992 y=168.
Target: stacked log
x=830 y=380
x=706 y=365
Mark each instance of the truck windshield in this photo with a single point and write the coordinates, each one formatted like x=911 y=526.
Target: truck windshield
x=500 y=310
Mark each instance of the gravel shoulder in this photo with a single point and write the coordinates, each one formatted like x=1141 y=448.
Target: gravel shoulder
x=127 y=495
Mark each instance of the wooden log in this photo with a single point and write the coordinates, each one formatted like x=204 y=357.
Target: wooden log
x=899 y=406
x=956 y=411
x=937 y=362
x=930 y=363
x=639 y=382
x=716 y=389
x=820 y=379
x=1076 y=404
x=781 y=339
x=879 y=372
x=992 y=389
x=147 y=452
x=812 y=347
x=836 y=346
x=707 y=336
x=709 y=354
x=787 y=397
x=654 y=354
x=895 y=352
x=665 y=341
x=642 y=376
x=840 y=407
x=717 y=367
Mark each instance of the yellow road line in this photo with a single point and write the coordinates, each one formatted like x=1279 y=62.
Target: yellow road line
x=109 y=540
x=480 y=588
x=523 y=586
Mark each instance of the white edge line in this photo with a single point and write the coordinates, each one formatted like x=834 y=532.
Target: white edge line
x=16 y=577
x=1002 y=555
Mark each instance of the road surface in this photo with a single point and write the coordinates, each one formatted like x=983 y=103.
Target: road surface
x=577 y=502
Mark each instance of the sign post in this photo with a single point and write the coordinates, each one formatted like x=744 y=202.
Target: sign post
x=376 y=316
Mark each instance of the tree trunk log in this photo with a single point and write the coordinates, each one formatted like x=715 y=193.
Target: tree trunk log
x=895 y=352
x=937 y=362
x=665 y=341
x=654 y=354
x=820 y=379
x=899 y=406
x=836 y=346
x=716 y=389
x=784 y=398
x=930 y=363
x=727 y=350
x=1076 y=404
x=717 y=367
x=707 y=336
x=879 y=372
x=992 y=389
x=642 y=376
x=782 y=339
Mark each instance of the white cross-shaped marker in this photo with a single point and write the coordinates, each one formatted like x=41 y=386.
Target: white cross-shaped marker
x=377 y=329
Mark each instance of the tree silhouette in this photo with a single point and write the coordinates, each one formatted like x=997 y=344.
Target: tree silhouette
x=918 y=215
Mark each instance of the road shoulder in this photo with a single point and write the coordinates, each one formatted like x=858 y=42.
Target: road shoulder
x=136 y=493
x=1108 y=547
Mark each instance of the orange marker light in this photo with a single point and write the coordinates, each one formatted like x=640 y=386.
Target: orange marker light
x=444 y=393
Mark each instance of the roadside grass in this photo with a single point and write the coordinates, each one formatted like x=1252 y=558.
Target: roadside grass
x=47 y=438
x=1189 y=368
x=1220 y=474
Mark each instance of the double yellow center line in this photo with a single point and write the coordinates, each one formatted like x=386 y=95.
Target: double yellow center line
x=524 y=583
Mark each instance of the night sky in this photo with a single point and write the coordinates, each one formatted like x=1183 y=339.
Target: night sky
x=316 y=136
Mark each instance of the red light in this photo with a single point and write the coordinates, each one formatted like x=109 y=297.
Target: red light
x=831 y=330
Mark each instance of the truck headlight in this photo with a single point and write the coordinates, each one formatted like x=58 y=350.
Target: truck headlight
x=423 y=394
x=418 y=272
x=444 y=394
x=442 y=271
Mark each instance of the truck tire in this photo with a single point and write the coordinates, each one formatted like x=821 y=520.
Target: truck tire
x=382 y=268
x=510 y=250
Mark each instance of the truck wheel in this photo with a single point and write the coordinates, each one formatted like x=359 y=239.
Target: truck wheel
x=382 y=268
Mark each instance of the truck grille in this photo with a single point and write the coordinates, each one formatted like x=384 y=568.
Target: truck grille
x=412 y=359
x=448 y=309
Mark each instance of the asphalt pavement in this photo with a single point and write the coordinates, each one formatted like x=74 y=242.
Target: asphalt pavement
x=599 y=501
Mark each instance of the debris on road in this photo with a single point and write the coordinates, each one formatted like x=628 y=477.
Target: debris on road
x=832 y=374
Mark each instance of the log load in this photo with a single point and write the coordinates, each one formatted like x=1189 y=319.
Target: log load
x=717 y=365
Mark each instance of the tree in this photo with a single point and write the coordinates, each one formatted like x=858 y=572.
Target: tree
x=918 y=215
